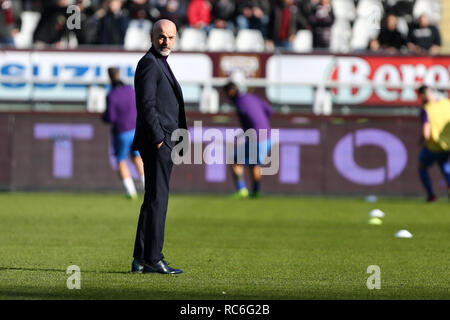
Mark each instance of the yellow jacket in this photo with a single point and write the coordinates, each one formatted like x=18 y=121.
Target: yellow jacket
x=439 y=118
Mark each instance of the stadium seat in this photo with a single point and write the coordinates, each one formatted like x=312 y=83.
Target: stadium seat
x=30 y=20
x=193 y=40
x=344 y=9
x=303 y=41
x=137 y=36
x=429 y=7
x=370 y=8
x=250 y=40
x=402 y=26
x=221 y=40
x=71 y=41
x=363 y=31
x=176 y=45
x=421 y=6
x=436 y=9
x=341 y=34
x=391 y=3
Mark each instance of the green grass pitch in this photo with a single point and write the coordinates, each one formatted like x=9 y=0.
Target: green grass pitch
x=269 y=248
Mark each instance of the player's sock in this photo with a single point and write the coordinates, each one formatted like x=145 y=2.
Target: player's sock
x=256 y=186
x=425 y=178
x=256 y=190
x=240 y=183
x=445 y=169
x=129 y=187
x=242 y=191
x=143 y=182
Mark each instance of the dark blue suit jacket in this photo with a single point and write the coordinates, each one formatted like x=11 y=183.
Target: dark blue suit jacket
x=159 y=103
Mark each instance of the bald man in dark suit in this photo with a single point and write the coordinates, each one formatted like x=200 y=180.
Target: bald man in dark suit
x=160 y=111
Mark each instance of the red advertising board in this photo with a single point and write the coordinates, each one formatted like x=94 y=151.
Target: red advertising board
x=391 y=70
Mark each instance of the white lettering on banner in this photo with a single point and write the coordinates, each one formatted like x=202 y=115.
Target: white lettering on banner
x=387 y=73
x=353 y=70
x=48 y=70
x=410 y=73
x=395 y=71
x=437 y=74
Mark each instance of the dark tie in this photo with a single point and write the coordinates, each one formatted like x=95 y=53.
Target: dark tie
x=166 y=65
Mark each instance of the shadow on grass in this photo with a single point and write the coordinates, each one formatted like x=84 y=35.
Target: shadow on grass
x=59 y=270
x=45 y=293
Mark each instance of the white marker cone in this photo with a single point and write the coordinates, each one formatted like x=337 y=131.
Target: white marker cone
x=403 y=234
x=376 y=213
x=371 y=198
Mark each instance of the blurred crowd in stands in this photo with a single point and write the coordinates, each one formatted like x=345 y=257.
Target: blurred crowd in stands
x=423 y=38
x=105 y=22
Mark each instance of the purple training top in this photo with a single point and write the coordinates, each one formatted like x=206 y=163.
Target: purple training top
x=121 y=109
x=253 y=112
x=423 y=116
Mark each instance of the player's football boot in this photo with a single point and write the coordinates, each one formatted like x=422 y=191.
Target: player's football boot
x=131 y=196
x=431 y=199
x=241 y=194
x=255 y=194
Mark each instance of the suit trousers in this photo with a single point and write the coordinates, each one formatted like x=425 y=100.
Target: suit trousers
x=150 y=231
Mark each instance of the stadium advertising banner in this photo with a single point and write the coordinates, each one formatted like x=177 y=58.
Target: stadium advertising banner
x=66 y=76
x=397 y=71
x=291 y=78
x=318 y=155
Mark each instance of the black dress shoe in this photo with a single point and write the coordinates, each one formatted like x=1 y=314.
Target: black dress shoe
x=137 y=266
x=160 y=267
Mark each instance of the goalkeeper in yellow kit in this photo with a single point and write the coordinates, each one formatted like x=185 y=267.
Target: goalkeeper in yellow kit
x=435 y=117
